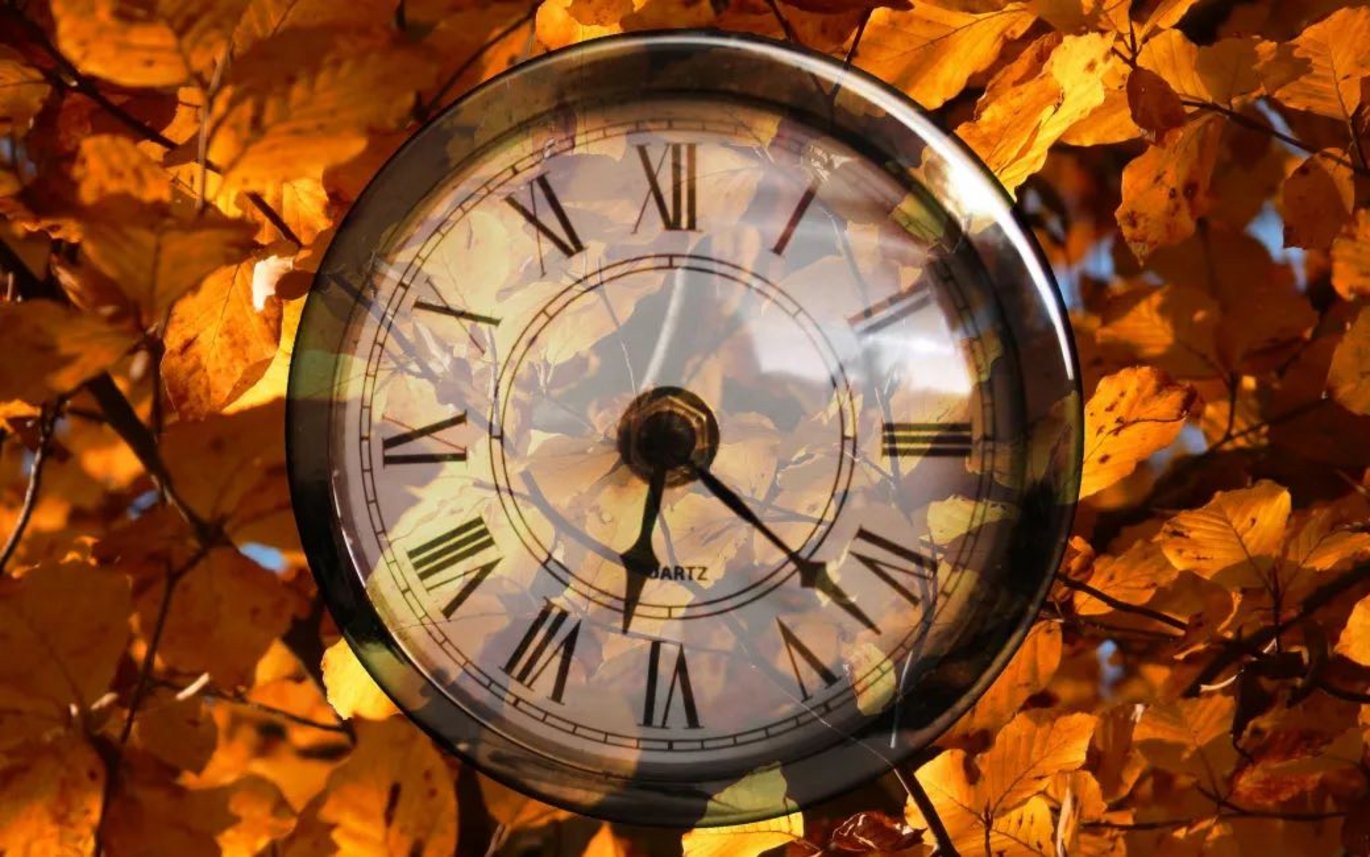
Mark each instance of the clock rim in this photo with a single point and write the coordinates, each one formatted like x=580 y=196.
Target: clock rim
x=655 y=802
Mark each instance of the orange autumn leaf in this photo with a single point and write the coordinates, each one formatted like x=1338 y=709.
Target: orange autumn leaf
x=1326 y=63
x=1237 y=533
x=1348 y=379
x=1316 y=200
x=1165 y=190
x=54 y=349
x=50 y=797
x=1132 y=578
x=220 y=339
x=23 y=90
x=1132 y=414
x=1351 y=258
x=931 y=51
x=1155 y=106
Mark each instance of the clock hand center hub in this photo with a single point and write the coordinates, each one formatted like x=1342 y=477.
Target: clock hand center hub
x=668 y=428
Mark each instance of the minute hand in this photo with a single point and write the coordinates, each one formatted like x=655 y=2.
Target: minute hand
x=811 y=574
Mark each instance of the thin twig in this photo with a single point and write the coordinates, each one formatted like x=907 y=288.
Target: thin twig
x=1123 y=606
x=945 y=847
x=140 y=690
x=239 y=699
x=1265 y=128
x=423 y=111
x=1235 y=650
x=47 y=423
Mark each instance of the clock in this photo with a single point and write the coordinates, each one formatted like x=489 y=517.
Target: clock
x=683 y=429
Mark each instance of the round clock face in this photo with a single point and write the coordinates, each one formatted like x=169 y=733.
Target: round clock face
x=683 y=412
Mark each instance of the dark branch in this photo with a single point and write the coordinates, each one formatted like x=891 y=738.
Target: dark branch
x=1123 y=606
x=47 y=423
x=909 y=780
x=423 y=111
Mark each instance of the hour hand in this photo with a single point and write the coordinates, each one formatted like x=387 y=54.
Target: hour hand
x=640 y=560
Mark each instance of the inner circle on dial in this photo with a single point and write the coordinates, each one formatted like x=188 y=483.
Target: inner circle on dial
x=607 y=382
x=668 y=428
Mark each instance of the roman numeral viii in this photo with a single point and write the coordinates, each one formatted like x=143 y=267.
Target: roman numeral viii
x=389 y=445
x=433 y=559
x=929 y=440
x=562 y=234
x=663 y=684
x=541 y=646
x=678 y=204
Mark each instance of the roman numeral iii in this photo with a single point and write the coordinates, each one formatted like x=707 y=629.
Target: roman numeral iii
x=389 y=445
x=678 y=203
x=543 y=645
x=928 y=440
x=667 y=682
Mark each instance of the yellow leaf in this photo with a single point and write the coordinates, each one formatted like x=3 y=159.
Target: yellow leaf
x=218 y=343
x=1133 y=578
x=930 y=52
x=1348 y=378
x=1239 y=530
x=1016 y=123
x=1351 y=258
x=605 y=844
x=1330 y=58
x=393 y=795
x=1165 y=190
x=53 y=349
x=1354 y=641
x=957 y=516
x=180 y=732
x=1132 y=414
x=265 y=133
x=22 y=92
x=756 y=790
x=158 y=43
x=155 y=257
x=1111 y=121
x=63 y=629
x=351 y=690
x=50 y=797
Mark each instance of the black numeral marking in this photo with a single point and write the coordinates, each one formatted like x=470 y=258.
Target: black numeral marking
x=933 y=440
x=444 y=309
x=677 y=680
x=680 y=210
x=915 y=565
x=395 y=441
x=540 y=647
x=564 y=237
x=798 y=215
x=795 y=646
x=432 y=559
x=879 y=316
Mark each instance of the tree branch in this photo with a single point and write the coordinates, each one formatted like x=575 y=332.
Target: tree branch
x=238 y=699
x=1122 y=606
x=1234 y=650
x=47 y=423
x=423 y=111
x=1257 y=125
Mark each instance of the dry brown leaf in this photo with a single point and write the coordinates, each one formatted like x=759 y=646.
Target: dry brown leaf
x=1132 y=414
x=22 y=92
x=1155 y=106
x=1316 y=201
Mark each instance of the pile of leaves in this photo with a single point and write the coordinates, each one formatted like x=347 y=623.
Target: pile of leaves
x=171 y=171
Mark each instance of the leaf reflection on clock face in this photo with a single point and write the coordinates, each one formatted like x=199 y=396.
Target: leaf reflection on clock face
x=739 y=307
